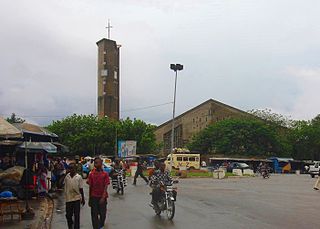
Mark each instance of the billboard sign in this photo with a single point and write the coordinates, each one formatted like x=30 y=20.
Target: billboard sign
x=127 y=148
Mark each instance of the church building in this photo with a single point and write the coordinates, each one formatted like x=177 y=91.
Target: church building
x=193 y=121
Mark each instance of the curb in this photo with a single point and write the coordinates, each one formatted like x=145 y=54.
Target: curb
x=45 y=214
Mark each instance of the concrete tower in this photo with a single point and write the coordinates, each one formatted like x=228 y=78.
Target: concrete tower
x=108 y=79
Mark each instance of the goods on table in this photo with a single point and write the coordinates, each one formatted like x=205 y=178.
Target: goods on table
x=14 y=173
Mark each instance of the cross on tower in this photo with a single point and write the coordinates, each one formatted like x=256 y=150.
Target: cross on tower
x=109 y=27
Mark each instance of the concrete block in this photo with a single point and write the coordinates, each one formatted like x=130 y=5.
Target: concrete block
x=237 y=172
x=218 y=174
x=248 y=172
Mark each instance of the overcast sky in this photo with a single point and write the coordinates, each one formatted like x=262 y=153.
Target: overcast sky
x=250 y=54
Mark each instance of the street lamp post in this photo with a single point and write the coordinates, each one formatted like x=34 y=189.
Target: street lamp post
x=176 y=68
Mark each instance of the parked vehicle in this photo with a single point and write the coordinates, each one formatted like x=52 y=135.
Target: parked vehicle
x=237 y=165
x=314 y=169
x=189 y=161
x=167 y=200
x=86 y=169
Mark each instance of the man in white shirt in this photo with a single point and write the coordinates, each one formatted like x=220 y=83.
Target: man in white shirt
x=74 y=196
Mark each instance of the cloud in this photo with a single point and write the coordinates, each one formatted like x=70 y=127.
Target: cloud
x=232 y=51
x=306 y=105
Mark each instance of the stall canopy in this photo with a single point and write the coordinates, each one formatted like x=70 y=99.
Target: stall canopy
x=46 y=146
x=8 y=131
x=34 y=130
x=61 y=148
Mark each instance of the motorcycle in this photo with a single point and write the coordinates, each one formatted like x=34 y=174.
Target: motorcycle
x=264 y=172
x=119 y=181
x=166 y=202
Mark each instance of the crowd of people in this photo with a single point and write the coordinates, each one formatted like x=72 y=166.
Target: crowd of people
x=98 y=181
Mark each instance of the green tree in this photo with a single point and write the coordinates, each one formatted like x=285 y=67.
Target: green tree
x=86 y=134
x=92 y=135
x=14 y=119
x=248 y=137
x=139 y=131
x=305 y=139
x=270 y=117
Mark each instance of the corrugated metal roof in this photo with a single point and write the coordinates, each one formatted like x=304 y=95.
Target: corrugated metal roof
x=7 y=130
x=34 y=129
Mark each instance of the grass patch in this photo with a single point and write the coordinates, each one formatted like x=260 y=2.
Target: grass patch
x=229 y=174
x=191 y=173
x=199 y=174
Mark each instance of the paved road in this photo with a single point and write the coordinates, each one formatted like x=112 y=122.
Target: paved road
x=283 y=201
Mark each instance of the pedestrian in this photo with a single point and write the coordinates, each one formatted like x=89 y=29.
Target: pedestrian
x=58 y=172
x=317 y=184
x=78 y=165
x=42 y=187
x=74 y=196
x=139 y=172
x=98 y=182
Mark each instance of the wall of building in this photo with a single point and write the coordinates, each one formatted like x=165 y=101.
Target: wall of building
x=193 y=121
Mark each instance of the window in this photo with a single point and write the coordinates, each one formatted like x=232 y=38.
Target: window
x=199 y=119
x=104 y=72
x=105 y=52
x=115 y=75
x=197 y=159
x=192 y=159
x=104 y=82
x=185 y=158
x=179 y=158
x=104 y=63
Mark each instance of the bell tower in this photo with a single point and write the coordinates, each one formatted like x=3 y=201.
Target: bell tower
x=108 y=78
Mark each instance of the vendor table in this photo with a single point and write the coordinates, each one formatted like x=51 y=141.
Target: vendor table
x=10 y=206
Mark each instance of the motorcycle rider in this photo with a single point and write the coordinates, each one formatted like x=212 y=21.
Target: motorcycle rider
x=263 y=168
x=116 y=169
x=155 y=169
x=160 y=176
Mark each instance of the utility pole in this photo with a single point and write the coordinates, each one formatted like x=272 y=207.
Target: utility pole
x=176 y=68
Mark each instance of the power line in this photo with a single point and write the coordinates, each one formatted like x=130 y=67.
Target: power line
x=62 y=116
x=148 y=107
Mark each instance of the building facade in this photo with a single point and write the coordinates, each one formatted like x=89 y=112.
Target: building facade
x=108 y=79
x=191 y=122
